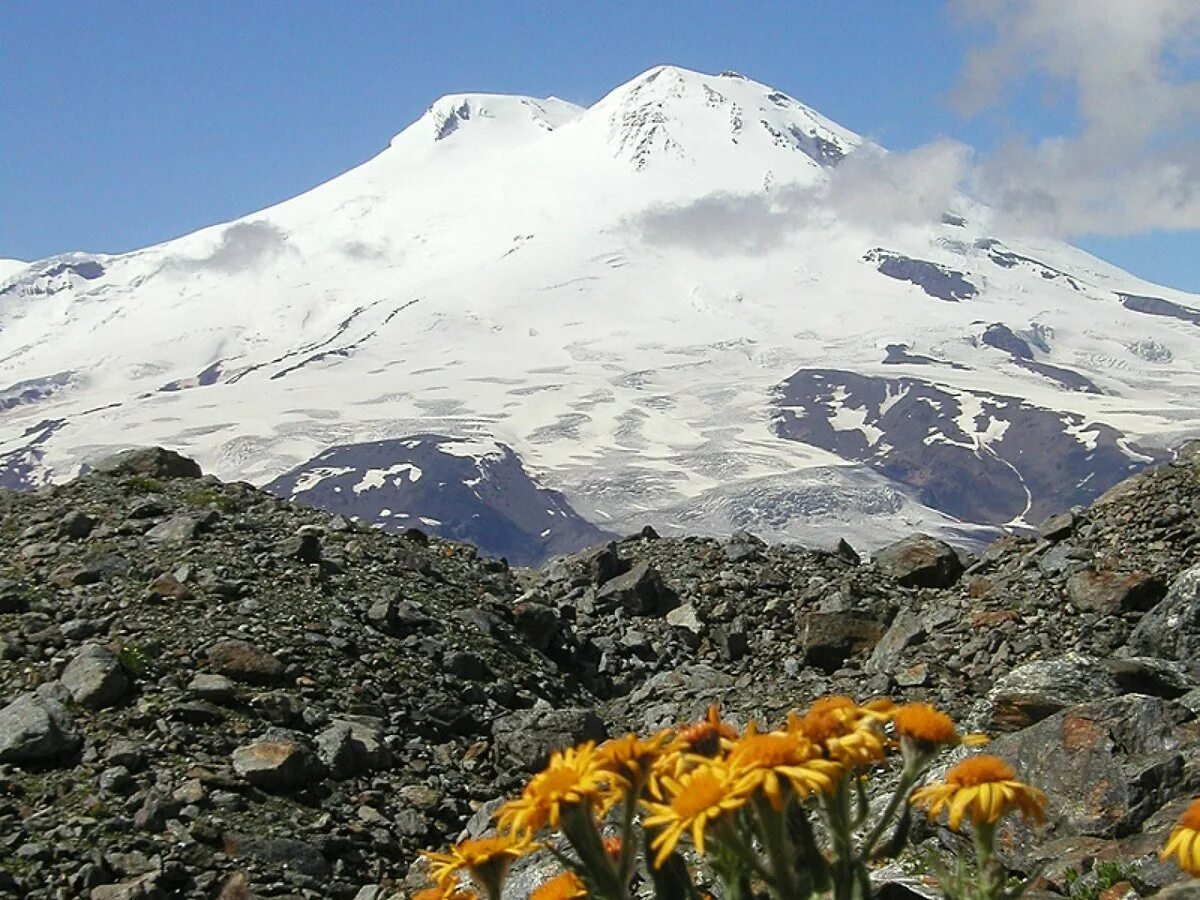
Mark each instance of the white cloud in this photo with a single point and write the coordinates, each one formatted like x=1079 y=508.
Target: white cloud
x=869 y=188
x=1133 y=70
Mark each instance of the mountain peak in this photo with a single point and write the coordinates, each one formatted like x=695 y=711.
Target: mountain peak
x=453 y=113
x=669 y=111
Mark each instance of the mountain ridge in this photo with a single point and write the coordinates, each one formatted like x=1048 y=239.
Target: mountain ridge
x=621 y=299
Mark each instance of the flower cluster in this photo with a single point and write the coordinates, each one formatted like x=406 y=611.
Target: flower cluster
x=785 y=812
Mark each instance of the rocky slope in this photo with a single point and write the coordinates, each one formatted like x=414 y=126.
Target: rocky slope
x=205 y=690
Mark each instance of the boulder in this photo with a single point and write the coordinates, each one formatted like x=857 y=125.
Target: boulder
x=76 y=525
x=276 y=766
x=244 y=662
x=95 y=677
x=537 y=622
x=907 y=629
x=37 y=728
x=639 y=592
x=352 y=746
x=1111 y=593
x=154 y=462
x=1106 y=765
x=920 y=561
x=1038 y=689
x=527 y=737
x=830 y=638
x=1171 y=629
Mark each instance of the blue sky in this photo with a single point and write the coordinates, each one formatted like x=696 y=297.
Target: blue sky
x=127 y=123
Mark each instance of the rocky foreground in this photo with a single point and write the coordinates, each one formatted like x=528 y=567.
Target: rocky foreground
x=205 y=691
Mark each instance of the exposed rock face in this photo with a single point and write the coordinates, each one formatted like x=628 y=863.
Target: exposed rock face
x=1111 y=763
x=1172 y=629
x=1036 y=690
x=479 y=494
x=928 y=437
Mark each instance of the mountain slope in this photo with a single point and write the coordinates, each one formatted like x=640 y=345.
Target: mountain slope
x=627 y=295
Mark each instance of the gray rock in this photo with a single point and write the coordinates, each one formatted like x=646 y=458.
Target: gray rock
x=830 y=638
x=214 y=688
x=76 y=525
x=1057 y=527
x=36 y=727
x=285 y=853
x=143 y=888
x=1106 y=765
x=527 y=737
x=920 y=561
x=276 y=766
x=1171 y=630
x=155 y=462
x=1113 y=593
x=907 y=629
x=639 y=592
x=95 y=677
x=176 y=530
x=686 y=620
x=1036 y=690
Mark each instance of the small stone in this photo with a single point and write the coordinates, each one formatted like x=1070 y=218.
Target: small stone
x=116 y=780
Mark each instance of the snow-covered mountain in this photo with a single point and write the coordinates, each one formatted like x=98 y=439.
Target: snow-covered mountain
x=649 y=300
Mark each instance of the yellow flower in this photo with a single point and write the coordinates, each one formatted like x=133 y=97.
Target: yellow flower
x=707 y=737
x=695 y=800
x=574 y=776
x=485 y=859
x=446 y=893
x=633 y=757
x=845 y=732
x=765 y=758
x=566 y=886
x=1184 y=842
x=985 y=788
x=925 y=728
